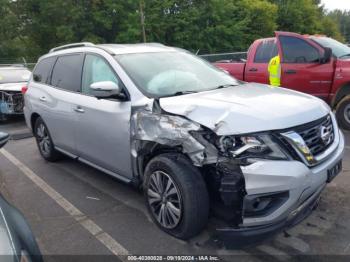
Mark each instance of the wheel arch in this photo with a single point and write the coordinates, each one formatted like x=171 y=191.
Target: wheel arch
x=150 y=150
x=33 y=119
x=341 y=93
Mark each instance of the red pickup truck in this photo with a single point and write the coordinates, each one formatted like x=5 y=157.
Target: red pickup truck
x=316 y=65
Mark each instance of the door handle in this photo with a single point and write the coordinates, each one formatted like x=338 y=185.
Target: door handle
x=290 y=71
x=42 y=99
x=253 y=70
x=79 y=109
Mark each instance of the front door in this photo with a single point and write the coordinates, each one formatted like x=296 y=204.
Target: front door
x=103 y=130
x=302 y=69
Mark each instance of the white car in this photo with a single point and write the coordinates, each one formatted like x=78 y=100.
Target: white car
x=197 y=140
x=12 y=80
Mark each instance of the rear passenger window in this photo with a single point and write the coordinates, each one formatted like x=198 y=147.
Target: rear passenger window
x=298 y=51
x=67 y=72
x=43 y=69
x=265 y=51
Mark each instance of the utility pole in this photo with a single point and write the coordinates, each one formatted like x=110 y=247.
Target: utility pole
x=142 y=16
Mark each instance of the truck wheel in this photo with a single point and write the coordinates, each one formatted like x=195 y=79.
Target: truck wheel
x=3 y=117
x=343 y=113
x=176 y=195
x=44 y=141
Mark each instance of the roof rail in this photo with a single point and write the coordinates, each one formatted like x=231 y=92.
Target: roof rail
x=82 y=44
x=154 y=44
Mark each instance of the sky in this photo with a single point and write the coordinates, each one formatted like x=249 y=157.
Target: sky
x=337 y=4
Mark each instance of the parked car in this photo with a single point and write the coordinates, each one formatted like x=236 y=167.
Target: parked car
x=315 y=65
x=17 y=242
x=196 y=139
x=12 y=80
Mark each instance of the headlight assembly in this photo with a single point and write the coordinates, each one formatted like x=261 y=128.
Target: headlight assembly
x=251 y=147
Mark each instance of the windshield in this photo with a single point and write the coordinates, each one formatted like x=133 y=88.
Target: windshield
x=172 y=73
x=338 y=49
x=14 y=75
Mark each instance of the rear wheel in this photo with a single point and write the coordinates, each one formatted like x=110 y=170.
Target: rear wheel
x=44 y=141
x=176 y=195
x=343 y=113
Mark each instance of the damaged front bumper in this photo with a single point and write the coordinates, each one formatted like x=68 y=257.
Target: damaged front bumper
x=247 y=235
x=11 y=103
x=304 y=186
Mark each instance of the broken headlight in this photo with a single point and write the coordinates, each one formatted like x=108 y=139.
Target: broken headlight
x=251 y=147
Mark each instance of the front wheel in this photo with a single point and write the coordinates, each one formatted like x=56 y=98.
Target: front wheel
x=343 y=113
x=176 y=195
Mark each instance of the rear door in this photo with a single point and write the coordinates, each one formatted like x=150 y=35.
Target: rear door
x=257 y=65
x=64 y=92
x=302 y=69
x=103 y=130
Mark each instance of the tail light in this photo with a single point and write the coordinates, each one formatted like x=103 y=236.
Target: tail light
x=24 y=89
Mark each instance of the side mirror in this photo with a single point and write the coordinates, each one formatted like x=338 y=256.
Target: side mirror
x=327 y=55
x=3 y=139
x=107 y=86
x=105 y=89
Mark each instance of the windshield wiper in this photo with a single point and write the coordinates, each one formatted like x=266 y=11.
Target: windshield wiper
x=224 y=86
x=344 y=55
x=180 y=93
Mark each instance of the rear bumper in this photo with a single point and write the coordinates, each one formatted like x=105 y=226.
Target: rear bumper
x=246 y=235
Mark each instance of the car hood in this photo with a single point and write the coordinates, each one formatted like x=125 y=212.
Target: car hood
x=16 y=87
x=247 y=108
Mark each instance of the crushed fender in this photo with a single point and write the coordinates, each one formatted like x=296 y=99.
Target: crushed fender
x=172 y=131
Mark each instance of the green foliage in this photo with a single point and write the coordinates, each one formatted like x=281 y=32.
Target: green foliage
x=342 y=18
x=31 y=27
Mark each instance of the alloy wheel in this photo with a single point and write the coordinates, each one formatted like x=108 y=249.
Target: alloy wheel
x=164 y=199
x=347 y=113
x=43 y=139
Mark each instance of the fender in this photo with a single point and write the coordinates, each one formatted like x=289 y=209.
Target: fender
x=340 y=94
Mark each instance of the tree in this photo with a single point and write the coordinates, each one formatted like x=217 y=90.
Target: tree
x=212 y=25
x=342 y=19
x=305 y=17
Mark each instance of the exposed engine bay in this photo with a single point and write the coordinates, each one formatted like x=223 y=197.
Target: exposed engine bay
x=11 y=102
x=155 y=129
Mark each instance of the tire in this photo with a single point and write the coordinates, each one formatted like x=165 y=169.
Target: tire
x=343 y=113
x=3 y=117
x=44 y=141
x=187 y=194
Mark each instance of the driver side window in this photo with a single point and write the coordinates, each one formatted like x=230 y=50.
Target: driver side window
x=96 y=69
x=298 y=51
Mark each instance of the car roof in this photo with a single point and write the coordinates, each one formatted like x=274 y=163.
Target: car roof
x=113 y=49
x=136 y=48
x=19 y=67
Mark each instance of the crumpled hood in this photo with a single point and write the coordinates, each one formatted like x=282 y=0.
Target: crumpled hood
x=16 y=87
x=247 y=108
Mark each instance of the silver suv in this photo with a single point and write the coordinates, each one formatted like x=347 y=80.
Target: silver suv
x=198 y=141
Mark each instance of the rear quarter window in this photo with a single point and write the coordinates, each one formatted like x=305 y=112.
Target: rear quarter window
x=265 y=51
x=67 y=72
x=43 y=69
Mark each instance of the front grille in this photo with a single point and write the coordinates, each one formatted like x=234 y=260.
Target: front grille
x=318 y=136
